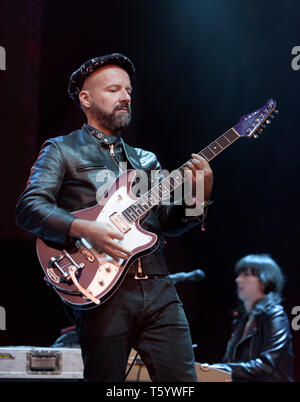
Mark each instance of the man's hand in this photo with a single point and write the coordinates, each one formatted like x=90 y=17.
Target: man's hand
x=101 y=235
x=199 y=163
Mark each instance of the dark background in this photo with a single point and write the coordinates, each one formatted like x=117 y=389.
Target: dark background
x=201 y=65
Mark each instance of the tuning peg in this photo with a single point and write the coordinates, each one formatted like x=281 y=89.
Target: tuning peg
x=255 y=136
x=260 y=130
x=276 y=111
x=268 y=121
x=272 y=117
x=263 y=126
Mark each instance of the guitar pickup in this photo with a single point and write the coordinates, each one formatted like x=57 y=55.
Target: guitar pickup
x=119 y=222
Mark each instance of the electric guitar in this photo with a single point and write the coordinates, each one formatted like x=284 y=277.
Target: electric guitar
x=85 y=277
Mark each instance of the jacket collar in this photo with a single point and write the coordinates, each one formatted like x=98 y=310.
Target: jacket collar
x=103 y=138
x=130 y=152
x=132 y=155
x=269 y=301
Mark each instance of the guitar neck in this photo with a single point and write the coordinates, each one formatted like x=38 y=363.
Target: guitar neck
x=176 y=178
x=217 y=146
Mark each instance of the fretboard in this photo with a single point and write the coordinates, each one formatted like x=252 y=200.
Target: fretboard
x=170 y=183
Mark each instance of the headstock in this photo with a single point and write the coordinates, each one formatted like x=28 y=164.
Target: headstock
x=250 y=124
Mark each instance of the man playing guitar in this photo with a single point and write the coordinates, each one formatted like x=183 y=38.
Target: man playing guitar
x=71 y=174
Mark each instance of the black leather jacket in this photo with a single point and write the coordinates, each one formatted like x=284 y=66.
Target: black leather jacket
x=265 y=352
x=73 y=172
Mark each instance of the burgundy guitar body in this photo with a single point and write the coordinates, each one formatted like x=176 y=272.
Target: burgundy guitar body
x=84 y=276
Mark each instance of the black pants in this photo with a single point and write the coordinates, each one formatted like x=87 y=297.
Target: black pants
x=146 y=315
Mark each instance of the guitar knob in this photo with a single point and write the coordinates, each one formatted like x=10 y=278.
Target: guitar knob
x=268 y=121
x=255 y=136
x=260 y=130
x=263 y=126
x=276 y=111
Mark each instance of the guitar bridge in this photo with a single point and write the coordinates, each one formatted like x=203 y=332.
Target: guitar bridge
x=58 y=270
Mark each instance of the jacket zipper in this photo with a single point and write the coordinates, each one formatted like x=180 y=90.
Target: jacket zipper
x=111 y=150
x=113 y=157
x=250 y=335
x=250 y=348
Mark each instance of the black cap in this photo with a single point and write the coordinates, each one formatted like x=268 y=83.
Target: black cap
x=90 y=66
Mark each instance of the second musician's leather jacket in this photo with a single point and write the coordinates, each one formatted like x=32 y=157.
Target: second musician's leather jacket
x=73 y=172
x=265 y=352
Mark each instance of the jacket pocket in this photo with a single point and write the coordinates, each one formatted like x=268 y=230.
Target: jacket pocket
x=83 y=168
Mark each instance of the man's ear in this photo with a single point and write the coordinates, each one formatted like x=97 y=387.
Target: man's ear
x=84 y=98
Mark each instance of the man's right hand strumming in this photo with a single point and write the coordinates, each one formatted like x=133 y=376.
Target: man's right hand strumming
x=101 y=235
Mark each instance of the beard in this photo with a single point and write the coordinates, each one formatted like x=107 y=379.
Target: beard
x=115 y=121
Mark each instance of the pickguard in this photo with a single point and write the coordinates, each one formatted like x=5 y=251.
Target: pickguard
x=110 y=268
